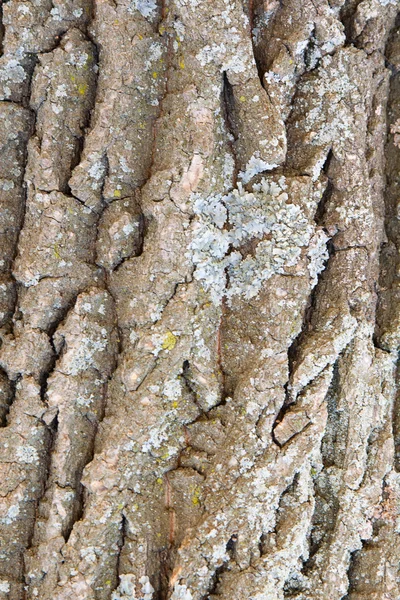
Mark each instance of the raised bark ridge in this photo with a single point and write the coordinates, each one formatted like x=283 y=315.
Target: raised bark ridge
x=199 y=300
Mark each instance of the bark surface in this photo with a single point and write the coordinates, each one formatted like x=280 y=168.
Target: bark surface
x=199 y=299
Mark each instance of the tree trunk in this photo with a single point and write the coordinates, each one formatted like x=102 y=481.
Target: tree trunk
x=200 y=299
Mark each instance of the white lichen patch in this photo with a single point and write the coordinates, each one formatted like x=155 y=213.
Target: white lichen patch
x=317 y=254
x=61 y=91
x=11 y=514
x=81 y=356
x=82 y=400
x=395 y=130
x=154 y=54
x=27 y=454
x=181 y=592
x=237 y=62
x=172 y=389
x=225 y=223
x=255 y=166
x=32 y=279
x=159 y=433
x=12 y=72
x=228 y=170
x=55 y=13
x=4 y=586
x=79 y=60
x=126 y=588
x=211 y=54
x=147 y=8
x=97 y=169
x=6 y=185
x=156 y=437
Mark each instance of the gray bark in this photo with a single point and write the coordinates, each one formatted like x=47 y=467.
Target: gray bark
x=200 y=299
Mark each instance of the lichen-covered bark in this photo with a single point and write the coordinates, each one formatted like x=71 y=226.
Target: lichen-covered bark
x=200 y=306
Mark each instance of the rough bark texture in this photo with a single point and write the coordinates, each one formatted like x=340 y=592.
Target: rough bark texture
x=200 y=299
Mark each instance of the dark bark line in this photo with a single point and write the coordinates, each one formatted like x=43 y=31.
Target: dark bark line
x=387 y=318
x=294 y=350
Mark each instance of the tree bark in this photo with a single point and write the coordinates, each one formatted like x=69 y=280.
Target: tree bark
x=200 y=299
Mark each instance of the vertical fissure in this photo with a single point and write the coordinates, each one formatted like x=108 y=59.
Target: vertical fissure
x=387 y=330
x=228 y=111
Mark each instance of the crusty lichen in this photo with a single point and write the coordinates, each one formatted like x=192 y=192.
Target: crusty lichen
x=226 y=223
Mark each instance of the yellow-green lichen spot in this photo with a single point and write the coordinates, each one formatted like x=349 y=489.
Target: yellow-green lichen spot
x=169 y=342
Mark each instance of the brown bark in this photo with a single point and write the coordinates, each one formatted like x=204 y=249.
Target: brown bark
x=200 y=306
